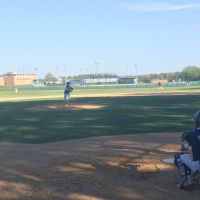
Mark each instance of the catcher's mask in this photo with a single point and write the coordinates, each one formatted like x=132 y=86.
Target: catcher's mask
x=197 y=119
x=183 y=135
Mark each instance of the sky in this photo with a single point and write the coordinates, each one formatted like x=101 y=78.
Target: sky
x=126 y=37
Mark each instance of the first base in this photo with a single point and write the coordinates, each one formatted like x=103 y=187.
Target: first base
x=168 y=160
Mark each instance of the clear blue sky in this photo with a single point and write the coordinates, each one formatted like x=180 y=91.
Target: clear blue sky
x=69 y=36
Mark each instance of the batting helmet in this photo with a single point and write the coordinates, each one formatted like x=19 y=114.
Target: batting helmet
x=68 y=83
x=197 y=119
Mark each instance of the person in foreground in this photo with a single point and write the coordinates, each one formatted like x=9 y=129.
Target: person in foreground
x=67 y=91
x=189 y=165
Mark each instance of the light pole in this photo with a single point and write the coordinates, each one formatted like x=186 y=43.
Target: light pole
x=127 y=70
x=97 y=70
x=64 y=74
x=57 y=73
x=135 y=66
x=64 y=70
x=36 y=69
x=96 y=65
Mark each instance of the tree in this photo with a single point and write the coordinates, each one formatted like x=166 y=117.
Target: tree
x=49 y=78
x=191 y=73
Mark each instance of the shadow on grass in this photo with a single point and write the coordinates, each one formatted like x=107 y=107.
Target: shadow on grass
x=118 y=115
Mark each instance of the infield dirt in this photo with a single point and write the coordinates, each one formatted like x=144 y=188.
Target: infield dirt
x=104 y=168
x=158 y=93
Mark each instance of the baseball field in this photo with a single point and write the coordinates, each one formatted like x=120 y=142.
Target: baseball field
x=107 y=145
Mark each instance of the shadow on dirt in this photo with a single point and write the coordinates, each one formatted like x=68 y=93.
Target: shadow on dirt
x=103 y=168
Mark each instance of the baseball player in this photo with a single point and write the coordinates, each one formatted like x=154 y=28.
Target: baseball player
x=160 y=87
x=67 y=91
x=189 y=165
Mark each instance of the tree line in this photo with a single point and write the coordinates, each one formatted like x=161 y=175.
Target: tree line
x=189 y=73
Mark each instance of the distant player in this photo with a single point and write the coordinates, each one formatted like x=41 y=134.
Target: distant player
x=16 y=90
x=67 y=91
x=160 y=87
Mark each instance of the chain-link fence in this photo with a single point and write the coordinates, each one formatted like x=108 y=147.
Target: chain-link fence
x=108 y=86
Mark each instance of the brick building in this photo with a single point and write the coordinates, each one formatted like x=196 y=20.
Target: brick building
x=2 y=81
x=17 y=79
x=156 y=81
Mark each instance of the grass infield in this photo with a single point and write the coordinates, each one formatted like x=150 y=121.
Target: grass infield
x=118 y=115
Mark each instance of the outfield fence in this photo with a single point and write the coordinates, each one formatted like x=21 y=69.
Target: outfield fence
x=113 y=86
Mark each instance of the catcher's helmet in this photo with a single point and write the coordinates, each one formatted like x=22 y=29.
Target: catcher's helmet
x=184 y=135
x=197 y=119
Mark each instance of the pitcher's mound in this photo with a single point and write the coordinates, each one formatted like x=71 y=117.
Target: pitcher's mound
x=62 y=107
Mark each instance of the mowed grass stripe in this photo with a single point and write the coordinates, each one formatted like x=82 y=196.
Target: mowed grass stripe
x=37 y=94
x=117 y=115
x=77 y=91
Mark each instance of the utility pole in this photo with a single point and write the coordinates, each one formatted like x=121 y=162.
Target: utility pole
x=64 y=74
x=135 y=66
x=57 y=73
x=96 y=65
x=36 y=69
x=127 y=71
x=64 y=70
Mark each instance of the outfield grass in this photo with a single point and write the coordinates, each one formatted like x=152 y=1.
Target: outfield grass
x=120 y=115
x=37 y=92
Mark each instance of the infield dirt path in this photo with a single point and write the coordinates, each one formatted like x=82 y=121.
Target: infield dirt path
x=6 y=99
x=105 y=168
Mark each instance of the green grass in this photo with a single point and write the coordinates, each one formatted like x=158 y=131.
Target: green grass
x=59 y=92
x=120 y=115
x=29 y=93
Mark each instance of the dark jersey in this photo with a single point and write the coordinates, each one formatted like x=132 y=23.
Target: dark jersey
x=68 y=89
x=193 y=138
